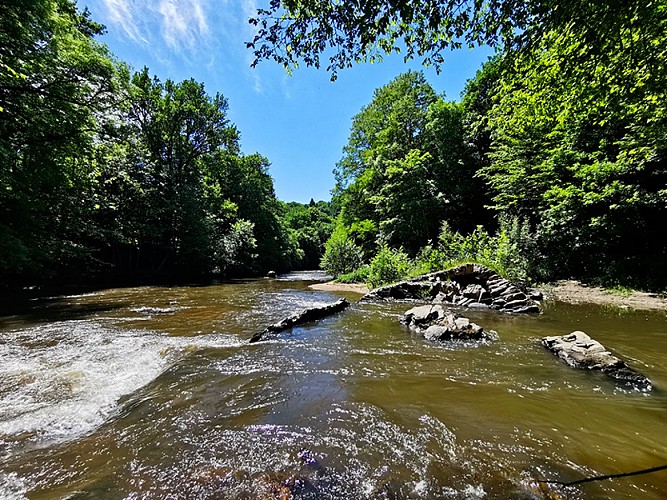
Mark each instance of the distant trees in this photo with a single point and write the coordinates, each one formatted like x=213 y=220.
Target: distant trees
x=308 y=227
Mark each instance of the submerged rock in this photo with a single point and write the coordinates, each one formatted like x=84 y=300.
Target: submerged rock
x=435 y=323
x=579 y=350
x=469 y=285
x=305 y=316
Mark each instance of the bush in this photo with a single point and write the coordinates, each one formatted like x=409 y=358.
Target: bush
x=357 y=276
x=388 y=266
x=341 y=255
x=511 y=252
x=429 y=260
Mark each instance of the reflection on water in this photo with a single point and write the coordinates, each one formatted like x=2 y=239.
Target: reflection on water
x=155 y=393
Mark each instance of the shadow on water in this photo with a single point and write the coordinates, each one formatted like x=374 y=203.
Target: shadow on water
x=47 y=310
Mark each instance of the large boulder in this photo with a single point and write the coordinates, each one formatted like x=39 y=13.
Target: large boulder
x=579 y=350
x=435 y=323
x=469 y=285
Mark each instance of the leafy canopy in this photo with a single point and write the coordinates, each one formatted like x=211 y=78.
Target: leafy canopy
x=346 y=32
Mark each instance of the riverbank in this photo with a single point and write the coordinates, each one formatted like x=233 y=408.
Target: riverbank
x=575 y=292
x=333 y=286
x=569 y=291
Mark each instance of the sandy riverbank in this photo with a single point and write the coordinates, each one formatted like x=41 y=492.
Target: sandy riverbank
x=575 y=292
x=332 y=286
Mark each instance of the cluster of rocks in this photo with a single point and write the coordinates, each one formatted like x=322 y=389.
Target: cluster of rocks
x=579 y=350
x=435 y=323
x=469 y=285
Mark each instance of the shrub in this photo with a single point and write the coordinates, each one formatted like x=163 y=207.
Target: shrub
x=357 y=276
x=341 y=255
x=511 y=252
x=429 y=260
x=388 y=266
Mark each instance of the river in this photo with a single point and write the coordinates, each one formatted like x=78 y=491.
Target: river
x=155 y=392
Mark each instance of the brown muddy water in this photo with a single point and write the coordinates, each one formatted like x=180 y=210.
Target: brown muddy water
x=155 y=393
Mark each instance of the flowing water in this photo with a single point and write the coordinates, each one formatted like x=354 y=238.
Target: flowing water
x=156 y=393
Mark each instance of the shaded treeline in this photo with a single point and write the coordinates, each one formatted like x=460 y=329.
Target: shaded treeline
x=110 y=173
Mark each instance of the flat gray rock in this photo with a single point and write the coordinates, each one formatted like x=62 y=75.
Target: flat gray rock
x=469 y=285
x=579 y=350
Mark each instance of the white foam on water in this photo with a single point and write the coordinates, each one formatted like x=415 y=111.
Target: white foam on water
x=316 y=275
x=63 y=380
x=12 y=487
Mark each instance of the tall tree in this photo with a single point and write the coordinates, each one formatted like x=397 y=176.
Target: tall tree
x=580 y=153
x=405 y=168
x=180 y=127
x=55 y=80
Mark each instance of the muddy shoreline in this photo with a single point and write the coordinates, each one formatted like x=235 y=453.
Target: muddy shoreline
x=575 y=292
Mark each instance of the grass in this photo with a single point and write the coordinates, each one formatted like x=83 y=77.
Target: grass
x=621 y=290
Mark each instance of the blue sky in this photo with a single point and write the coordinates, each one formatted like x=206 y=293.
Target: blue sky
x=299 y=122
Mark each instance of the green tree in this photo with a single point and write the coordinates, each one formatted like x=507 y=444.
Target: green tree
x=181 y=127
x=310 y=226
x=55 y=84
x=245 y=181
x=576 y=152
x=292 y=31
x=341 y=254
x=405 y=169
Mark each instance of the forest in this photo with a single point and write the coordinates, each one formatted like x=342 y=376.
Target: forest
x=551 y=165
x=110 y=174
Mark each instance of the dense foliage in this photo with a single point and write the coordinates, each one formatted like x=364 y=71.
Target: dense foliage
x=294 y=31
x=552 y=165
x=105 y=172
x=563 y=138
x=406 y=169
x=308 y=227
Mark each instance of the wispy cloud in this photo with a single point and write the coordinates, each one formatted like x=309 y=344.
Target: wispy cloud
x=184 y=24
x=208 y=33
x=123 y=14
x=249 y=9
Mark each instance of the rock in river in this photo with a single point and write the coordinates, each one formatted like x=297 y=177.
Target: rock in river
x=470 y=285
x=579 y=350
x=435 y=323
x=305 y=316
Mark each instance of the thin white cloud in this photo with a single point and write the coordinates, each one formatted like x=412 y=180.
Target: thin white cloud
x=208 y=33
x=249 y=9
x=184 y=24
x=123 y=14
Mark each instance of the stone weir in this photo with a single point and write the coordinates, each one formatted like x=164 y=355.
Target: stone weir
x=468 y=285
